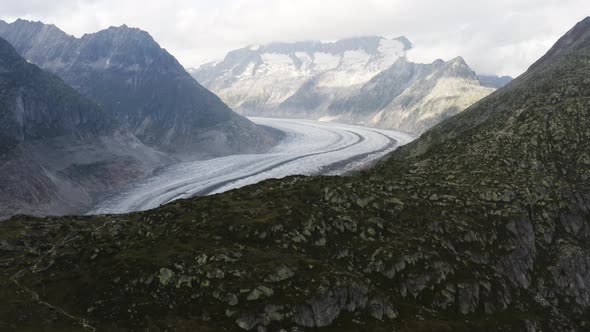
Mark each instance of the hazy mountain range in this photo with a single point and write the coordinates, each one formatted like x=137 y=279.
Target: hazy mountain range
x=364 y=80
x=481 y=224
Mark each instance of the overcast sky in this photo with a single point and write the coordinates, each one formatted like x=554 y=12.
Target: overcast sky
x=494 y=36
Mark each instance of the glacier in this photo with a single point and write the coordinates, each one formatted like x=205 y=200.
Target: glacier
x=309 y=148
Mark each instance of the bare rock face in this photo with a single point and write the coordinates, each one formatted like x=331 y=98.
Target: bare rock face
x=142 y=86
x=37 y=105
x=59 y=150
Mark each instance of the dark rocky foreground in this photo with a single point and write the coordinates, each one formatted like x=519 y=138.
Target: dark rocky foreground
x=483 y=224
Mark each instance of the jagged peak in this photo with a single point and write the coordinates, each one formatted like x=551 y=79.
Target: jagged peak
x=122 y=29
x=36 y=26
x=126 y=28
x=457 y=67
x=20 y=21
x=124 y=32
x=438 y=62
x=458 y=61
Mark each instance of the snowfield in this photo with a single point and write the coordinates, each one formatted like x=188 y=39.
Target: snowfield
x=309 y=148
x=270 y=74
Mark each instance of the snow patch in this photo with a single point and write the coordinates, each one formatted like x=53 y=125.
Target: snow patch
x=277 y=61
x=391 y=48
x=304 y=57
x=281 y=75
x=325 y=61
x=248 y=71
x=328 y=118
x=355 y=60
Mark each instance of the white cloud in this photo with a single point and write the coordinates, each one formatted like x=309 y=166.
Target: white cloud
x=501 y=36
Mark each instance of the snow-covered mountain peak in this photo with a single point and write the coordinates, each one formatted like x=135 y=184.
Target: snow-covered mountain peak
x=270 y=74
x=372 y=45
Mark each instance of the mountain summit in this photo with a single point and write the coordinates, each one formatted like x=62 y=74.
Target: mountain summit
x=144 y=87
x=267 y=75
x=58 y=149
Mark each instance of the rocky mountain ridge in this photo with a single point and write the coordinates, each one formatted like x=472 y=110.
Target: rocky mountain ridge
x=59 y=150
x=411 y=97
x=23 y=86
x=343 y=81
x=141 y=85
x=269 y=74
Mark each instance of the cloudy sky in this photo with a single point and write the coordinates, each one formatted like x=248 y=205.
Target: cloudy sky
x=495 y=37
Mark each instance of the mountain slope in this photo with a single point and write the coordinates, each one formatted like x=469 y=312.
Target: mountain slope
x=263 y=77
x=412 y=97
x=61 y=111
x=361 y=81
x=144 y=87
x=58 y=149
x=482 y=224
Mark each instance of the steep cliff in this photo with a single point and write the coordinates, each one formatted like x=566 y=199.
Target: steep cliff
x=59 y=150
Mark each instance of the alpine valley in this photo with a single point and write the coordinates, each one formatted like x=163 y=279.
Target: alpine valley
x=81 y=117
